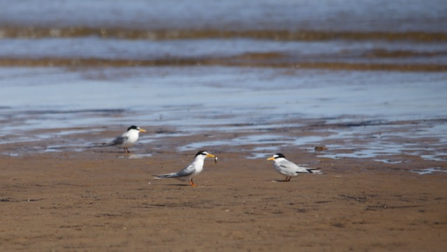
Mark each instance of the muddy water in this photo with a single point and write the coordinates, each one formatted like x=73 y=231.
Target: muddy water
x=364 y=78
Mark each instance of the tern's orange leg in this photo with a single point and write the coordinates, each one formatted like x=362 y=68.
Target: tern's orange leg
x=126 y=150
x=287 y=179
x=192 y=183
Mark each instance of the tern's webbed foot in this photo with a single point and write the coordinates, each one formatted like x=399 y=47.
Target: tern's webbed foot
x=192 y=183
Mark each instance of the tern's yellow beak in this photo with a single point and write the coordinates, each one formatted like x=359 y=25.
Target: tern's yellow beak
x=272 y=158
x=142 y=130
x=210 y=155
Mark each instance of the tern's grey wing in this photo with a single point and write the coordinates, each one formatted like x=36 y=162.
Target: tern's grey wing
x=117 y=141
x=187 y=171
x=291 y=167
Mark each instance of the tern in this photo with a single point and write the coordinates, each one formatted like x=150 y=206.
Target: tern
x=126 y=140
x=289 y=169
x=192 y=170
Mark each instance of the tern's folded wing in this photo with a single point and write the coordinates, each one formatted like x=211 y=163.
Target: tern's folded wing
x=291 y=167
x=186 y=171
x=117 y=141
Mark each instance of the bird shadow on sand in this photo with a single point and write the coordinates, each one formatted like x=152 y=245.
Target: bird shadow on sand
x=183 y=185
x=279 y=180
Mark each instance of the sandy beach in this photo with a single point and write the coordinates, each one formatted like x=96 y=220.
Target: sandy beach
x=103 y=200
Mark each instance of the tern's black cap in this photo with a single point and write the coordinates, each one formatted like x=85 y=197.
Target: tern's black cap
x=133 y=127
x=202 y=152
x=279 y=155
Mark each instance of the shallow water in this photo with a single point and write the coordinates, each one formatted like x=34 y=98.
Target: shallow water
x=256 y=71
x=210 y=94
x=358 y=108
x=429 y=171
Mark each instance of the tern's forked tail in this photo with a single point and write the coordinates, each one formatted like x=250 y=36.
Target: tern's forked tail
x=92 y=145
x=314 y=170
x=163 y=176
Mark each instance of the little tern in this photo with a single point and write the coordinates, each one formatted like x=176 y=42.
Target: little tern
x=289 y=169
x=126 y=140
x=192 y=170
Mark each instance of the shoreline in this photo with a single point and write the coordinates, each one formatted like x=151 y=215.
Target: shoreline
x=386 y=142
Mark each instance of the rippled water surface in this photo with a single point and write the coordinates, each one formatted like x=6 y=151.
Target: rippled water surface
x=248 y=14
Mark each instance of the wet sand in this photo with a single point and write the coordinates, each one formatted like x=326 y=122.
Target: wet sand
x=103 y=200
